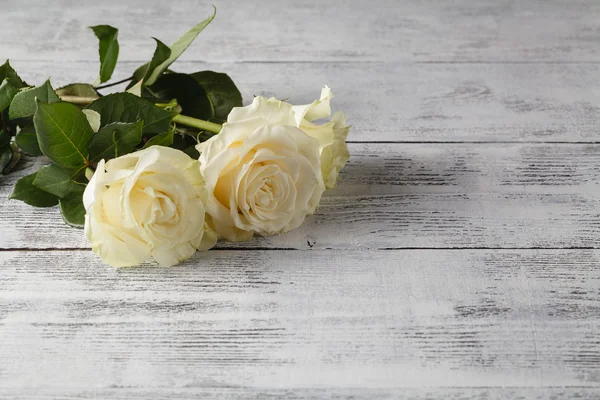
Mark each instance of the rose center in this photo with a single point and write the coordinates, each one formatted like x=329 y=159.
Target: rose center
x=154 y=207
x=164 y=209
x=264 y=196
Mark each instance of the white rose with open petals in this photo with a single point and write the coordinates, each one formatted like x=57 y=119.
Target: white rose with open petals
x=262 y=173
x=331 y=134
x=150 y=203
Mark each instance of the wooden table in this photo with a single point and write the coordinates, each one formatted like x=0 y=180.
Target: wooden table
x=457 y=259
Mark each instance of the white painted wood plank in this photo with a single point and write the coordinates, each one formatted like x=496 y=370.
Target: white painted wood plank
x=486 y=322
x=494 y=393
x=410 y=195
x=304 y=393
x=292 y=30
x=409 y=102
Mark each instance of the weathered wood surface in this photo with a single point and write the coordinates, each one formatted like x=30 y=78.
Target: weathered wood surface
x=411 y=102
x=466 y=268
x=491 y=393
x=292 y=30
x=374 y=322
x=410 y=195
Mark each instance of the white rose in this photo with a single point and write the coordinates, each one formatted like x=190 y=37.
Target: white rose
x=331 y=134
x=263 y=174
x=150 y=203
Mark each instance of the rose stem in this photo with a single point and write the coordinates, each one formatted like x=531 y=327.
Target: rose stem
x=179 y=119
x=114 y=83
x=197 y=123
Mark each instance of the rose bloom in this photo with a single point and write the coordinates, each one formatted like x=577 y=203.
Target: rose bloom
x=262 y=173
x=331 y=134
x=150 y=203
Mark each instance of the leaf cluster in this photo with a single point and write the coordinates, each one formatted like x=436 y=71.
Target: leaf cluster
x=76 y=126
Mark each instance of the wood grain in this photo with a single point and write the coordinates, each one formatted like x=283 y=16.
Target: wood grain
x=411 y=102
x=292 y=30
x=457 y=259
x=432 y=393
x=329 y=323
x=406 y=196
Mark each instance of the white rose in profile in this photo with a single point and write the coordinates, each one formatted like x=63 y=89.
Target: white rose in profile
x=331 y=134
x=262 y=173
x=150 y=203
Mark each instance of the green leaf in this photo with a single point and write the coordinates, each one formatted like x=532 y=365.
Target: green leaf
x=136 y=88
x=125 y=107
x=6 y=151
x=161 y=54
x=78 y=89
x=25 y=191
x=221 y=91
x=115 y=140
x=4 y=139
x=109 y=50
x=24 y=103
x=9 y=126
x=171 y=106
x=26 y=140
x=93 y=119
x=186 y=143
x=16 y=156
x=190 y=95
x=7 y=93
x=54 y=179
x=71 y=206
x=204 y=136
x=63 y=134
x=164 y=139
x=177 y=50
x=6 y=156
x=192 y=152
x=7 y=72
